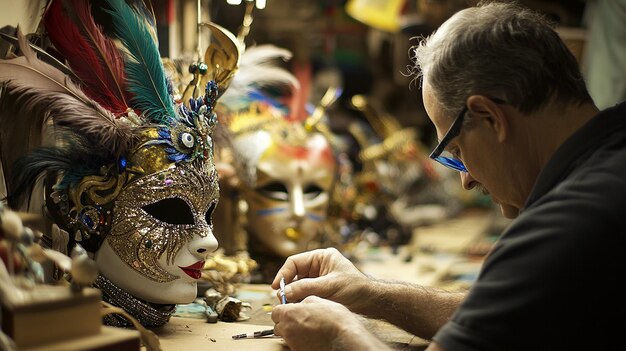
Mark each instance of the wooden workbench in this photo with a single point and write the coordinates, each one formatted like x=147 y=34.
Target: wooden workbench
x=436 y=257
x=183 y=333
x=196 y=334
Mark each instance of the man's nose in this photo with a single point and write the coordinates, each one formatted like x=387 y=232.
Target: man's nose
x=467 y=181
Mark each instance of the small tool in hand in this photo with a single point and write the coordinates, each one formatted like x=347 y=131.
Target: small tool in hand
x=256 y=334
x=282 y=291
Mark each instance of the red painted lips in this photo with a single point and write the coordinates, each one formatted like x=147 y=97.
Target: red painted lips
x=193 y=270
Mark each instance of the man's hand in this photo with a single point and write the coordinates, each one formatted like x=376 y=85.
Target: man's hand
x=319 y=324
x=325 y=273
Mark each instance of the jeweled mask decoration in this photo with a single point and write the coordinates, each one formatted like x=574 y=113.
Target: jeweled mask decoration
x=132 y=174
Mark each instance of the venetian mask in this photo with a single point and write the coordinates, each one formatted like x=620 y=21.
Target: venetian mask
x=283 y=155
x=160 y=228
x=132 y=176
x=289 y=193
x=287 y=172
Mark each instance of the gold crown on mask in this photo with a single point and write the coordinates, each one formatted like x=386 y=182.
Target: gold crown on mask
x=114 y=117
x=255 y=109
x=261 y=116
x=280 y=111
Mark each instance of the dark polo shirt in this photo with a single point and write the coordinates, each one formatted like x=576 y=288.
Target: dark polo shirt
x=551 y=282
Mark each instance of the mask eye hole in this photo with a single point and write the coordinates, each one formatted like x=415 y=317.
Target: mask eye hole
x=313 y=191
x=209 y=214
x=275 y=191
x=172 y=211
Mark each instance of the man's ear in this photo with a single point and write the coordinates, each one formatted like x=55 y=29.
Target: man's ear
x=483 y=109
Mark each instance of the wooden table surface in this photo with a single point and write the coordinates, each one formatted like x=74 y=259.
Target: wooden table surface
x=183 y=333
x=196 y=334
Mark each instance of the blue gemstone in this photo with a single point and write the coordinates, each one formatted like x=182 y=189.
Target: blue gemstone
x=88 y=221
x=122 y=164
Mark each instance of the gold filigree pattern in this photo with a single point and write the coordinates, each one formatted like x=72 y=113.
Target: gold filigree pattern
x=140 y=239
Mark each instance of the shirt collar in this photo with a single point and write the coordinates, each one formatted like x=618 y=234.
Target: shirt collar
x=577 y=148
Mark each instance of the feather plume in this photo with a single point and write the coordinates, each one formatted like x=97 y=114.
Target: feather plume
x=144 y=8
x=112 y=136
x=92 y=56
x=42 y=54
x=18 y=136
x=299 y=99
x=29 y=69
x=34 y=92
x=37 y=85
x=263 y=54
x=258 y=69
x=144 y=69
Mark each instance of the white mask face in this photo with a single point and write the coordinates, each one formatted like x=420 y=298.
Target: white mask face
x=287 y=205
x=161 y=234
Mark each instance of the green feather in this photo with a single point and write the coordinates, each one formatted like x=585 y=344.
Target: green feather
x=144 y=69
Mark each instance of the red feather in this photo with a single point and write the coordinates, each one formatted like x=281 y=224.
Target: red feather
x=93 y=57
x=300 y=96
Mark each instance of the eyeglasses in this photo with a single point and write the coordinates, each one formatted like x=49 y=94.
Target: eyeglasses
x=454 y=131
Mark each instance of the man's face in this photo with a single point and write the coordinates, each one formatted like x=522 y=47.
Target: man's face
x=481 y=153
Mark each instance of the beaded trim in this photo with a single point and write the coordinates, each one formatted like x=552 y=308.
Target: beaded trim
x=144 y=312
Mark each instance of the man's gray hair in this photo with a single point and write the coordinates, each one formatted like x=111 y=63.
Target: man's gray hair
x=500 y=50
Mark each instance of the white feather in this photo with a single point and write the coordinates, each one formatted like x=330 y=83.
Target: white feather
x=258 y=68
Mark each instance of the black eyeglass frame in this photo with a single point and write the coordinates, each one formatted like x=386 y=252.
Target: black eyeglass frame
x=453 y=132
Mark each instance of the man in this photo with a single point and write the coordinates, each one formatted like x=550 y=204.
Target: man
x=510 y=106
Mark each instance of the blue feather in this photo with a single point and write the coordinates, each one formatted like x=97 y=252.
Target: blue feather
x=144 y=70
x=164 y=133
x=177 y=157
x=256 y=95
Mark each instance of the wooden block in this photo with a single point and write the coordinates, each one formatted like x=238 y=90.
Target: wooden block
x=110 y=339
x=51 y=313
